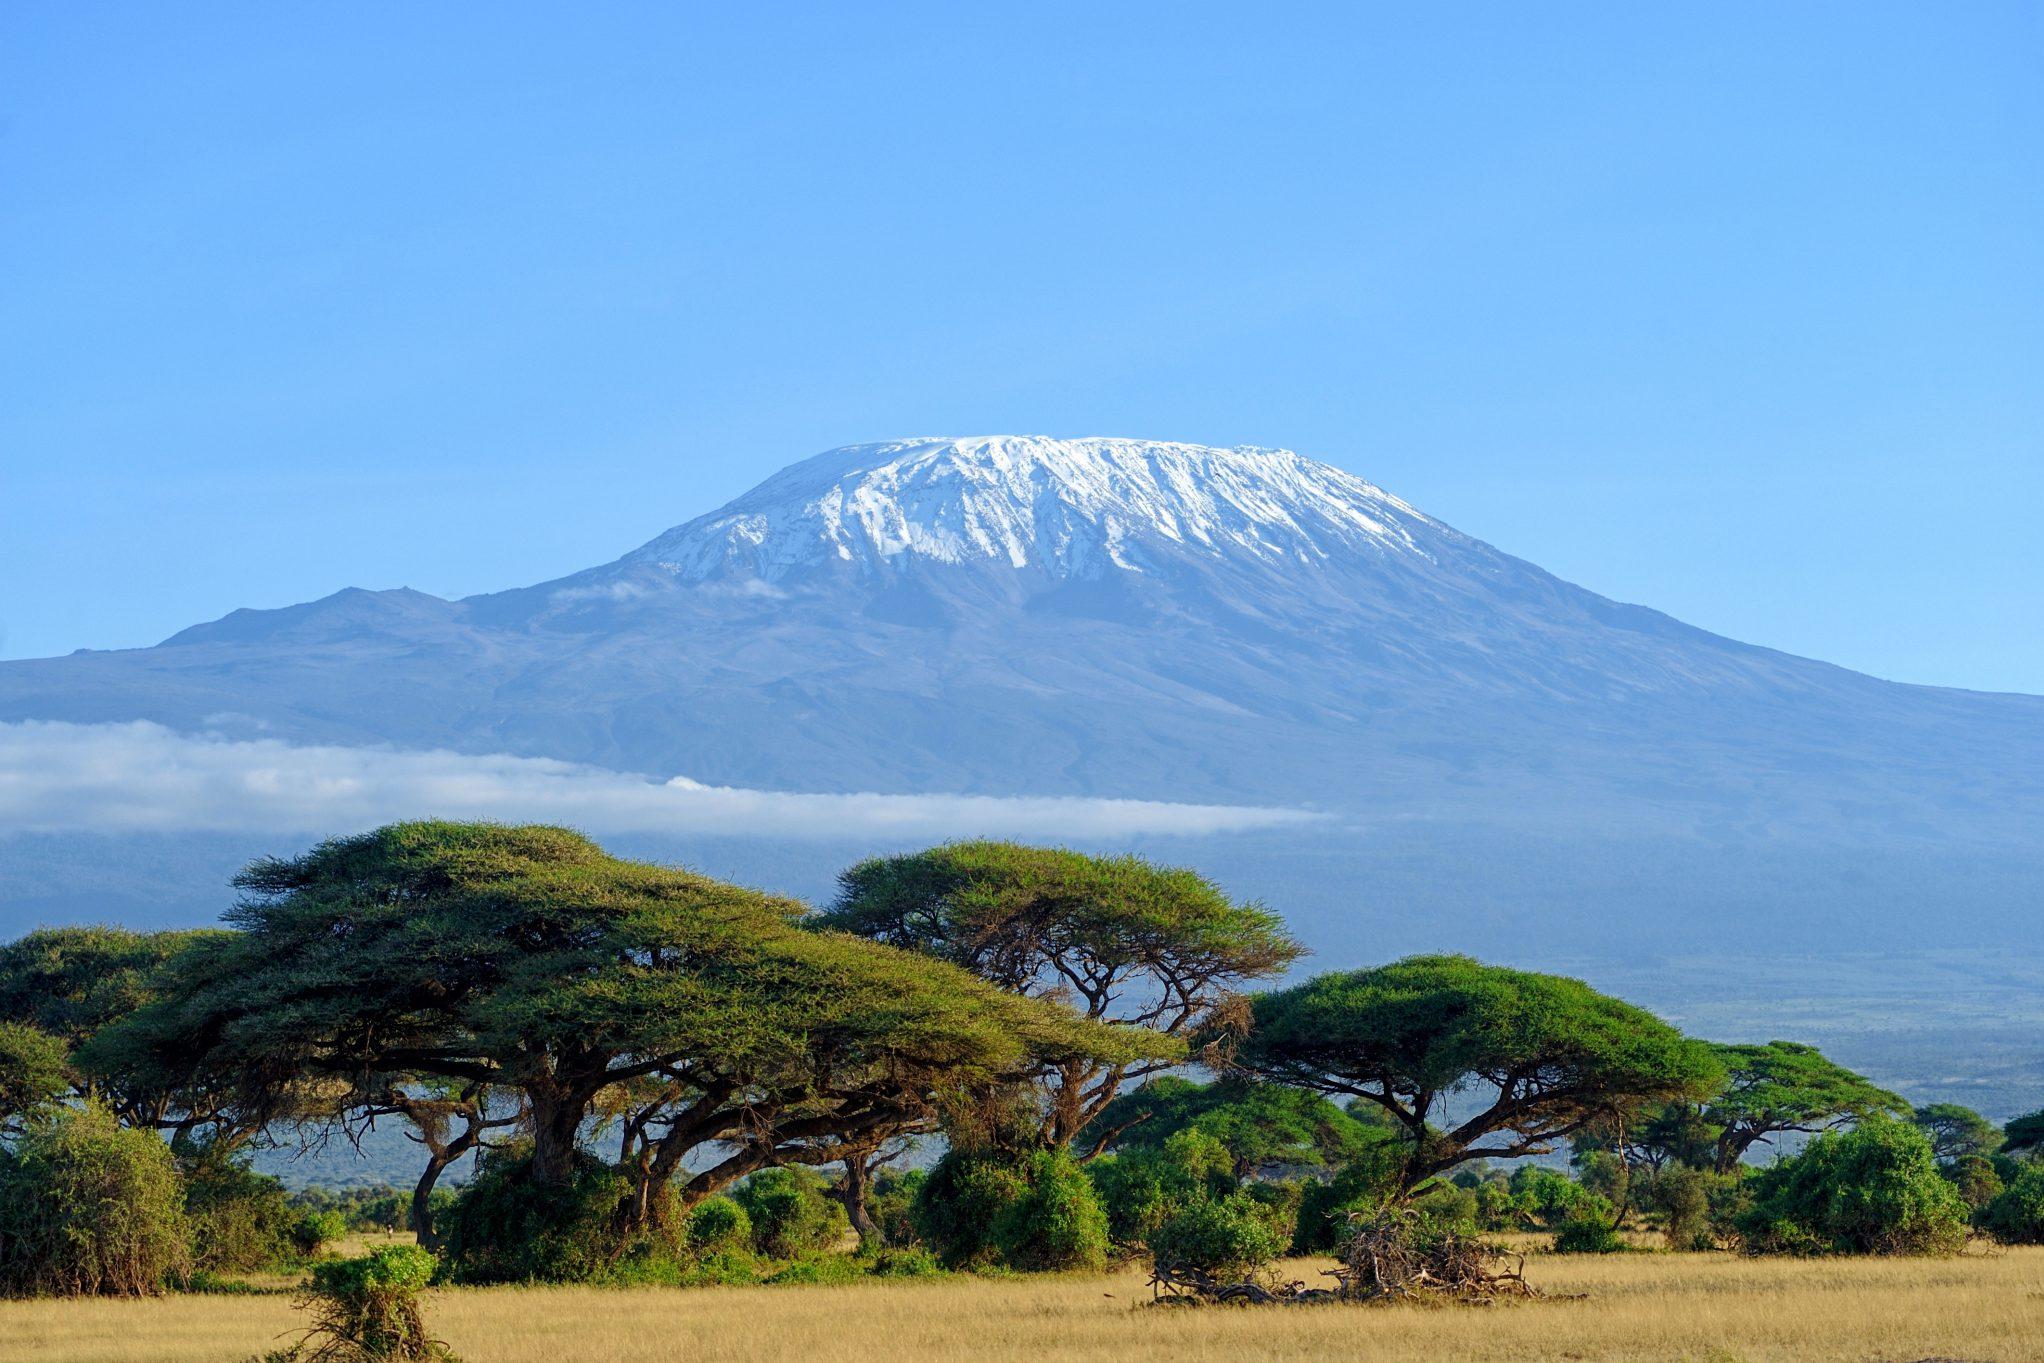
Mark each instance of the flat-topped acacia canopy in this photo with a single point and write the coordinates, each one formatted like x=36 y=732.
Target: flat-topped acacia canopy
x=528 y=958
x=1557 y=1054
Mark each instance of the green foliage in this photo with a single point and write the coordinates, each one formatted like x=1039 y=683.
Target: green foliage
x=34 y=1072
x=528 y=959
x=818 y=1268
x=2016 y=1215
x=88 y=1207
x=789 y=1213
x=1976 y=1178
x=1784 y=1086
x=366 y=1310
x=1143 y=1188
x=1056 y=1223
x=1228 y=1237
x=1550 y=1198
x=1558 y=1054
x=892 y=1206
x=912 y=1262
x=2023 y=1134
x=1261 y=1126
x=717 y=1225
x=1362 y=1188
x=1696 y=1206
x=507 y=1226
x=239 y=1219
x=1125 y=941
x=1587 y=1235
x=956 y=1207
x=1956 y=1132
x=1873 y=1190
x=314 y=1231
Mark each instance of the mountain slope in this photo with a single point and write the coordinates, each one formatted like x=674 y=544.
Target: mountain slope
x=1019 y=615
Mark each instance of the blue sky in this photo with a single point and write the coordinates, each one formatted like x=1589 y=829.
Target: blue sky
x=1734 y=310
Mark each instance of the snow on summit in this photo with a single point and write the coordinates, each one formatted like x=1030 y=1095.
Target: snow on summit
x=1073 y=508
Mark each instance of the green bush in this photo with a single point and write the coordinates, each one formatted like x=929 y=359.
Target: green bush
x=1975 y=1178
x=1226 y=1237
x=1146 y=1186
x=820 y=1269
x=891 y=1205
x=240 y=1219
x=366 y=1310
x=1277 y=1204
x=790 y=1214
x=313 y=1231
x=914 y=1262
x=1550 y=1198
x=1873 y=1190
x=88 y=1207
x=1587 y=1235
x=1057 y=1222
x=957 y=1206
x=1691 y=1205
x=717 y=1225
x=506 y=1227
x=1324 y=1208
x=2016 y=1215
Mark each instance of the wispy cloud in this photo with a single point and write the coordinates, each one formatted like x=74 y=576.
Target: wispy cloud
x=142 y=777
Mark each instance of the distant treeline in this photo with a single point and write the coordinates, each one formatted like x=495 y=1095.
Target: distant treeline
x=667 y=1078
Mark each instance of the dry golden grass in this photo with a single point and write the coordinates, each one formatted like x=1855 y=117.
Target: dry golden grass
x=1694 y=1308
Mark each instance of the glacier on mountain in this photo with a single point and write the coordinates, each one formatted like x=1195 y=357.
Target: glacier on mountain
x=1072 y=508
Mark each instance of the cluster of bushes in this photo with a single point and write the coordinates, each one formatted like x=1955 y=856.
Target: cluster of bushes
x=89 y=1206
x=652 y=1065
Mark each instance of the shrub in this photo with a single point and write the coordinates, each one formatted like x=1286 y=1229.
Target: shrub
x=505 y=1227
x=1688 y=1201
x=789 y=1212
x=1552 y=1198
x=891 y=1205
x=958 y=1204
x=240 y=1219
x=820 y=1268
x=88 y=1207
x=1224 y=1237
x=313 y=1231
x=914 y=1262
x=1587 y=1235
x=1873 y=1190
x=1276 y=1202
x=366 y=1310
x=1324 y=1208
x=717 y=1225
x=1975 y=1178
x=2016 y=1215
x=1145 y=1187
x=1057 y=1222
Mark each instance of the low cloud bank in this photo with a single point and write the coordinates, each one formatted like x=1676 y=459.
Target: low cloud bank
x=142 y=777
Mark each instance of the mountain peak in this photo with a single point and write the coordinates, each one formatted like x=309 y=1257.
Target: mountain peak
x=1071 y=508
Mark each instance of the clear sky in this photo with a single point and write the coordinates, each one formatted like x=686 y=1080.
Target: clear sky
x=1734 y=310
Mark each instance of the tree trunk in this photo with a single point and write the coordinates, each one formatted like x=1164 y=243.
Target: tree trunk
x=422 y=1201
x=556 y=1121
x=857 y=1186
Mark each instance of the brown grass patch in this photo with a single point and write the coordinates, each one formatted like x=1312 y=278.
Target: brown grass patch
x=1684 y=1308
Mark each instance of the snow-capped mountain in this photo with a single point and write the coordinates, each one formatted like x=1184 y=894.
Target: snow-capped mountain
x=1072 y=509
x=1030 y=616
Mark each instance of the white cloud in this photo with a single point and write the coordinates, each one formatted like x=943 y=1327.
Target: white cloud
x=142 y=777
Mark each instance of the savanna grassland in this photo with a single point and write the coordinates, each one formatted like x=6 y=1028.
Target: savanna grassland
x=1705 y=1308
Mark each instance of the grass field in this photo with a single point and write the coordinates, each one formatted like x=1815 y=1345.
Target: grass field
x=1700 y=1308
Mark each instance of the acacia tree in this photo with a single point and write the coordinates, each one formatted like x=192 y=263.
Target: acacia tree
x=1261 y=1126
x=1956 y=1132
x=75 y=984
x=527 y=960
x=1785 y=1086
x=1137 y=946
x=2023 y=1134
x=1550 y=1055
